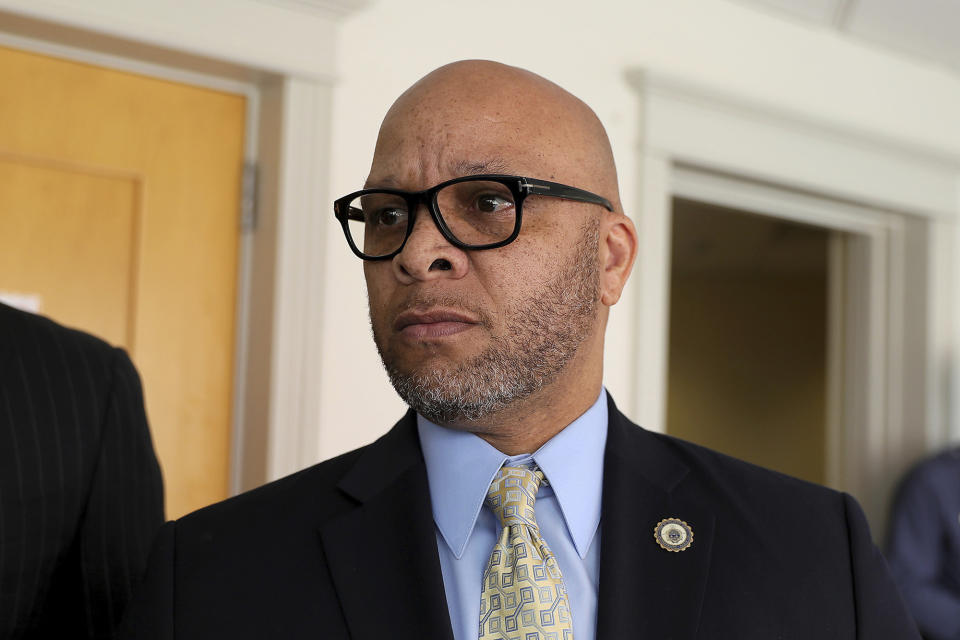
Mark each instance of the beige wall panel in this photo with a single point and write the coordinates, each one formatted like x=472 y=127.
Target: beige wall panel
x=185 y=146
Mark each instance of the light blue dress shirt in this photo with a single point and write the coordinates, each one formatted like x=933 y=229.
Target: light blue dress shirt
x=460 y=468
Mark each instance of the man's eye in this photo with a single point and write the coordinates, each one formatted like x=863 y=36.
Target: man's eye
x=492 y=203
x=388 y=217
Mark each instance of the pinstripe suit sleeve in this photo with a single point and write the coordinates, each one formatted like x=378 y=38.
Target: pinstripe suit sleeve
x=80 y=487
x=124 y=506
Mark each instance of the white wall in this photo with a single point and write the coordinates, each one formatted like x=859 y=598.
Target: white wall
x=382 y=49
x=811 y=71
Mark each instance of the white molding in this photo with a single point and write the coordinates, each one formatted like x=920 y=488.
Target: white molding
x=710 y=129
x=836 y=321
x=797 y=206
x=942 y=238
x=650 y=290
x=325 y=7
x=951 y=365
x=298 y=301
x=245 y=270
x=254 y=35
x=147 y=67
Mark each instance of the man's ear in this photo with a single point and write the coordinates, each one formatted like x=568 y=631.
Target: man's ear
x=618 y=250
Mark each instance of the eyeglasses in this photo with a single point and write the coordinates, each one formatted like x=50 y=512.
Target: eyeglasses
x=472 y=212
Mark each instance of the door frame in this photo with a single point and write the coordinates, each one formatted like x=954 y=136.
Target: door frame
x=866 y=335
x=898 y=208
x=279 y=54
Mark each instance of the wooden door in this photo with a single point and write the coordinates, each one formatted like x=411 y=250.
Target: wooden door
x=119 y=198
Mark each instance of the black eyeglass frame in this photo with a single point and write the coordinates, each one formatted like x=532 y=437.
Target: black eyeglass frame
x=519 y=186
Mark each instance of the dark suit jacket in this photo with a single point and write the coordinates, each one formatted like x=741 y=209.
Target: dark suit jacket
x=347 y=549
x=80 y=491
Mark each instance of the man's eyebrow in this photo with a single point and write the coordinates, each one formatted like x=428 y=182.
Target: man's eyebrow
x=384 y=181
x=472 y=168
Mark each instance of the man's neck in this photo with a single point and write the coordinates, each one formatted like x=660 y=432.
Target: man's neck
x=525 y=425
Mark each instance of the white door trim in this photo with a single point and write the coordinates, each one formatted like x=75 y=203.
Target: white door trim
x=228 y=37
x=716 y=148
x=865 y=346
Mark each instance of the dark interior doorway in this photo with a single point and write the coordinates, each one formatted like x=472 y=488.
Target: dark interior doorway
x=748 y=337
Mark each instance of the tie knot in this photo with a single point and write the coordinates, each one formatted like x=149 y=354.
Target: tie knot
x=513 y=493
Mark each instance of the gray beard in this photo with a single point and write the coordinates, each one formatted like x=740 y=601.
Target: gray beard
x=542 y=337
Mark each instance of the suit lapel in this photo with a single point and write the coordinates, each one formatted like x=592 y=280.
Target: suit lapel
x=383 y=553
x=646 y=591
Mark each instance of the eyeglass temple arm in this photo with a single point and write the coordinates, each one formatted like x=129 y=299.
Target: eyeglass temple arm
x=557 y=190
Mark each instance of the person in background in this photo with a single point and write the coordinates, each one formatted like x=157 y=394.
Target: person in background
x=923 y=546
x=81 y=495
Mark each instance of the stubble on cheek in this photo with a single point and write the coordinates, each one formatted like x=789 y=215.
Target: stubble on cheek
x=540 y=334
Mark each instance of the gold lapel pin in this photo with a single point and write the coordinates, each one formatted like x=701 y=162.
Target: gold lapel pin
x=673 y=534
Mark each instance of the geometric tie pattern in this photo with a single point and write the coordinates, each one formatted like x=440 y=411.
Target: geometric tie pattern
x=523 y=596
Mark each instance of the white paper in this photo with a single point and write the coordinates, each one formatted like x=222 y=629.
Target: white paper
x=31 y=302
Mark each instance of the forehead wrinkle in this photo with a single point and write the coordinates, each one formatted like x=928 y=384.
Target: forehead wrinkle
x=459 y=168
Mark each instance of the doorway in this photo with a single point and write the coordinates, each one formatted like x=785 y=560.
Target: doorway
x=889 y=212
x=748 y=337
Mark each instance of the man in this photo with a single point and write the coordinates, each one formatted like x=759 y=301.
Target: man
x=80 y=490
x=924 y=544
x=513 y=500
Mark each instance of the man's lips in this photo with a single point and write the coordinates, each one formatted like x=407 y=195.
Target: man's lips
x=433 y=323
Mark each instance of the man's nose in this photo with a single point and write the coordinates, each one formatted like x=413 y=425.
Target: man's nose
x=427 y=254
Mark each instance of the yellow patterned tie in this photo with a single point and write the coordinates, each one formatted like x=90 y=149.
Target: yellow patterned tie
x=523 y=596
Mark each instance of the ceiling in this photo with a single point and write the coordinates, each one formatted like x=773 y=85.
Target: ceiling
x=929 y=29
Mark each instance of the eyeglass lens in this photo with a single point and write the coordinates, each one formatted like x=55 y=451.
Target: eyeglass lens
x=477 y=213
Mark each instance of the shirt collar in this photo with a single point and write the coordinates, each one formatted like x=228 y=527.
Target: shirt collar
x=461 y=466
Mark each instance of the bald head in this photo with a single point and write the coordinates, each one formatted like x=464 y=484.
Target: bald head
x=477 y=116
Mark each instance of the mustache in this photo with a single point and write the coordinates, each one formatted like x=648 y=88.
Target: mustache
x=421 y=302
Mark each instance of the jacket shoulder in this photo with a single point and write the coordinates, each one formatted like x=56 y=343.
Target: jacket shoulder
x=309 y=494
